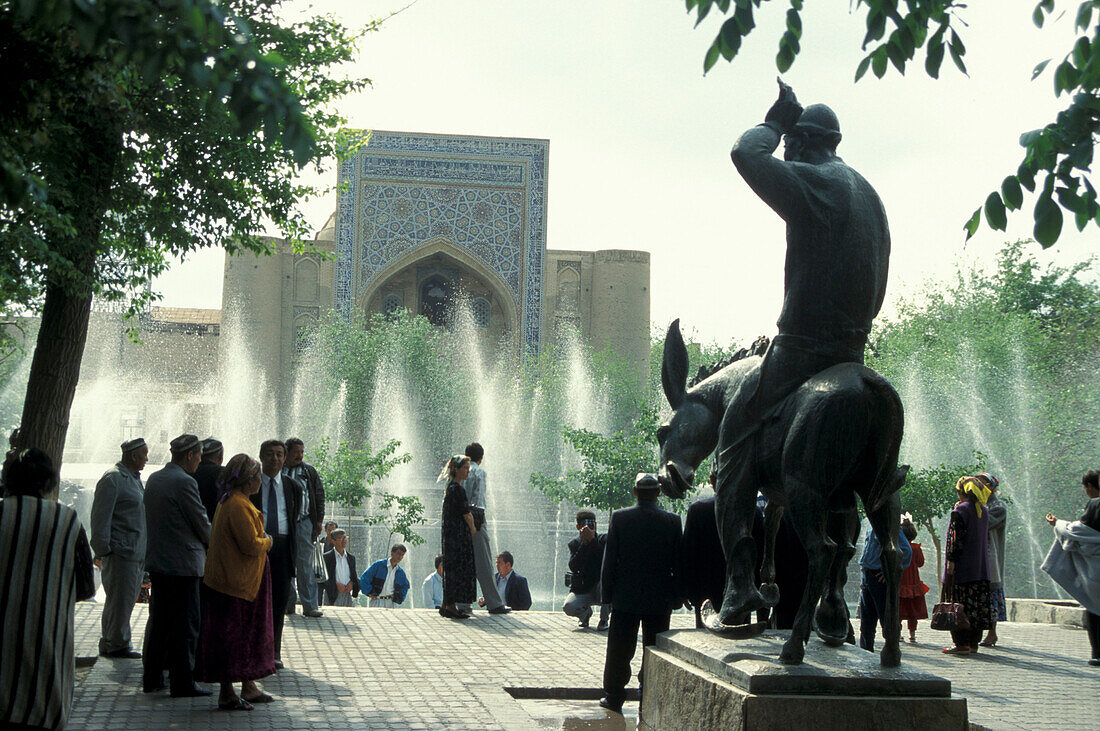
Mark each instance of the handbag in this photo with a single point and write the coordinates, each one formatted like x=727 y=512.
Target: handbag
x=320 y=570
x=949 y=615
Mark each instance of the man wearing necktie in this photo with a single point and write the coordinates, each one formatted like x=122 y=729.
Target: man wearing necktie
x=279 y=499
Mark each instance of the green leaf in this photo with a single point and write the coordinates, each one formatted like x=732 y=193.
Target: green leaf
x=794 y=22
x=1084 y=16
x=784 y=58
x=878 y=62
x=995 y=212
x=1010 y=191
x=933 y=59
x=731 y=39
x=712 y=56
x=894 y=53
x=971 y=226
x=862 y=68
x=1082 y=51
x=1048 y=221
x=1039 y=69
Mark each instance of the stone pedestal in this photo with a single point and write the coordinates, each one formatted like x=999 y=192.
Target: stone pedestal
x=697 y=680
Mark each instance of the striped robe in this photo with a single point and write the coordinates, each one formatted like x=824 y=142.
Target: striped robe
x=39 y=545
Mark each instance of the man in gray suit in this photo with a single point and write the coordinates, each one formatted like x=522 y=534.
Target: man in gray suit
x=118 y=540
x=179 y=532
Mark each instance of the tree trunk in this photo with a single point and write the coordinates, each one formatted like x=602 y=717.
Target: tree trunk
x=55 y=370
x=939 y=550
x=79 y=173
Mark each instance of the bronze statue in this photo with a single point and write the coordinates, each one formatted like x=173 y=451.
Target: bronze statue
x=807 y=424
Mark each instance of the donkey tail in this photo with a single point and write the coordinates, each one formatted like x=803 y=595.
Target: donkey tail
x=889 y=419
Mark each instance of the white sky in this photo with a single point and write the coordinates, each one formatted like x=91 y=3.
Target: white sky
x=640 y=139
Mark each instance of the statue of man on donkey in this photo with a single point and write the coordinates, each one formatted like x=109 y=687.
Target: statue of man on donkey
x=807 y=424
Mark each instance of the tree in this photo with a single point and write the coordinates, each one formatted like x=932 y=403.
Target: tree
x=348 y=473
x=608 y=465
x=135 y=131
x=1002 y=361
x=1060 y=153
x=929 y=494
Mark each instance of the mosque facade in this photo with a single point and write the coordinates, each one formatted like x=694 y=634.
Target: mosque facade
x=423 y=221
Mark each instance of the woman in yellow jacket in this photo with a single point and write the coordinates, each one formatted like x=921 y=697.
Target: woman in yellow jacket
x=237 y=642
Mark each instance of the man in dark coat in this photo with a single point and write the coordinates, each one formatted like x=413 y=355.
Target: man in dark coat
x=342 y=586
x=312 y=513
x=175 y=557
x=585 y=561
x=207 y=474
x=639 y=581
x=702 y=564
x=279 y=499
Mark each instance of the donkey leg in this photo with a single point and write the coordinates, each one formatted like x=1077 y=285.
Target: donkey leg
x=808 y=514
x=831 y=619
x=734 y=504
x=773 y=513
x=884 y=522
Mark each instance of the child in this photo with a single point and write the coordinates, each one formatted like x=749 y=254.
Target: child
x=911 y=605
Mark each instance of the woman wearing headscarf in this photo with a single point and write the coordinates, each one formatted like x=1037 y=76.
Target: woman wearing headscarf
x=237 y=644
x=459 y=573
x=966 y=572
x=47 y=567
x=998 y=515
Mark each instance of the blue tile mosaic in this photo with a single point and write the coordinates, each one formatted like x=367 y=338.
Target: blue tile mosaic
x=487 y=195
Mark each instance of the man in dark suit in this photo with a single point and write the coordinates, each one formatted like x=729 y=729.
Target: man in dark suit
x=178 y=533
x=510 y=585
x=639 y=581
x=279 y=499
x=207 y=474
x=343 y=580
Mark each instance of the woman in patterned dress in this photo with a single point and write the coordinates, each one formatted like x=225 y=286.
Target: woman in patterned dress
x=459 y=574
x=966 y=572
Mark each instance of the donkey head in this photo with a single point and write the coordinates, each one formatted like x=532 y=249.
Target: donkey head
x=691 y=433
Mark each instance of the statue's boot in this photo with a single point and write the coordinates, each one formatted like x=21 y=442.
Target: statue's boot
x=741 y=597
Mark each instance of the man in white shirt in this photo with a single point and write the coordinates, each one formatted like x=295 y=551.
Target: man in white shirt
x=483 y=556
x=343 y=581
x=432 y=589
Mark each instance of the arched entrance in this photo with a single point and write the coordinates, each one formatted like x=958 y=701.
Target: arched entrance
x=437 y=300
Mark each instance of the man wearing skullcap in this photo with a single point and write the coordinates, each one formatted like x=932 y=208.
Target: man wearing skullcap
x=207 y=474
x=179 y=532
x=639 y=581
x=118 y=541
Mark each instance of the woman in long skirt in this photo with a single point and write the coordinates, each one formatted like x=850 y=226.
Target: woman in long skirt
x=237 y=642
x=966 y=572
x=459 y=573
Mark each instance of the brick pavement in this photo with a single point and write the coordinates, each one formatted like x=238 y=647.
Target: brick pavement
x=411 y=669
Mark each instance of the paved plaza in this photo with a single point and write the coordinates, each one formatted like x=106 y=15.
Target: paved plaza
x=412 y=669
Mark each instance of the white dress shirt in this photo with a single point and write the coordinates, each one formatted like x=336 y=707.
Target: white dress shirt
x=280 y=502
x=343 y=571
x=391 y=574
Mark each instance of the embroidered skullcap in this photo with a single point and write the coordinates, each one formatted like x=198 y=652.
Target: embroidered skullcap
x=210 y=445
x=183 y=443
x=132 y=445
x=646 y=481
x=988 y=479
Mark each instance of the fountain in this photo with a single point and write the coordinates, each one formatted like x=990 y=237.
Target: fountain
x=205 y=380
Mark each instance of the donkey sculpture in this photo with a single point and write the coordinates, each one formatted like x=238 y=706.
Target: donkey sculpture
x=837 y=436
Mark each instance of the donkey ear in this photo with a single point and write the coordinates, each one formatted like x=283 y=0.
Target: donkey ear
x=674 y=366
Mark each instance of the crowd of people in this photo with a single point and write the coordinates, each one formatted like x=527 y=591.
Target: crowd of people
x=220 y=547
